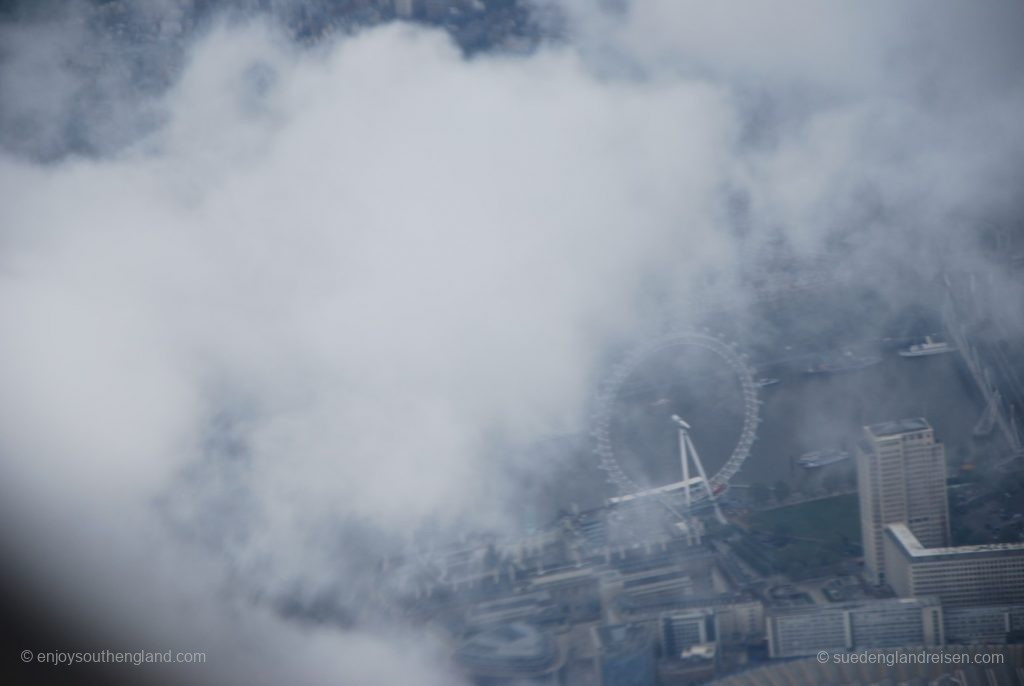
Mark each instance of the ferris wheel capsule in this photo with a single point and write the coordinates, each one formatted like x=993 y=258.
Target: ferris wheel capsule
x=609 y=391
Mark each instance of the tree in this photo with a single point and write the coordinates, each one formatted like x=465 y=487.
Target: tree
x=782 y=491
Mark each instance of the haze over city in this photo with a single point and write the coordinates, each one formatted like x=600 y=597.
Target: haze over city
x=442 y=342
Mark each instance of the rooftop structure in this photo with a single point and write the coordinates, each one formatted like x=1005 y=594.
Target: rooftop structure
x=900 y=426
x=537 y=608
x=510 y=651
x=913 y=547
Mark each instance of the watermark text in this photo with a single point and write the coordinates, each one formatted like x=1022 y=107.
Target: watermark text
x=108 y=657
x=923 y=657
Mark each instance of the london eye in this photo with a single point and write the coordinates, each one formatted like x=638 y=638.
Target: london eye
x=730 y=368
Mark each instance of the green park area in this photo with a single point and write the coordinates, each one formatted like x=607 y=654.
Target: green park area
x=802 y=539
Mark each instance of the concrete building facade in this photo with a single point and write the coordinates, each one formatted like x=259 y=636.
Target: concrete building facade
x=682 y=630
x=847 y=626
x=987 y=624
x=901 y=477
x=959 y=576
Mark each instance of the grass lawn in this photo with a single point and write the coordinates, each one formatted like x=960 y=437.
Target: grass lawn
x=799 y=539
x=819 y=519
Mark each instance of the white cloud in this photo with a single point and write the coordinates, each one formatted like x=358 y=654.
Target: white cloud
x=375 y=259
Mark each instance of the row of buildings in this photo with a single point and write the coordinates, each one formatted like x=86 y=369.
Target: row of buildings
x=618 y=596
x=890 y=623
x=946 y=595
x=688 y=633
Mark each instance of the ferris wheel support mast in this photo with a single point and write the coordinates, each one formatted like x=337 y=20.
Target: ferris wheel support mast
x=686 y=451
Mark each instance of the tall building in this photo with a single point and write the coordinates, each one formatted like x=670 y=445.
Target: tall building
x=961 y=575
x=901 y=477
x=856 y=625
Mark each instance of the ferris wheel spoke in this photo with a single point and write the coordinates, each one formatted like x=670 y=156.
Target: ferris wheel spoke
x=613 y=386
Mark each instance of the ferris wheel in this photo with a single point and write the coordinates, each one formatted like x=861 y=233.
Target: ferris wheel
x=613 y=385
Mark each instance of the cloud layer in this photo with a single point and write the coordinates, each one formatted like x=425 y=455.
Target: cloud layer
x=310 y=310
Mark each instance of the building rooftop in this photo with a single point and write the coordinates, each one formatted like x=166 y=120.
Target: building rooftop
x=699 y=652
x=865 y=604
x=899 y=426
x=515 y=649
x=615 y=638
x=567 y=576
x=913 y=548
x=672 y=575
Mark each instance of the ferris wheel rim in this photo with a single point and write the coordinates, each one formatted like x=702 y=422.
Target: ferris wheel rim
x=620 y=372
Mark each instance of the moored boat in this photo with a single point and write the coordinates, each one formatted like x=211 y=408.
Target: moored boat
x=928 y=346
x=821 y=458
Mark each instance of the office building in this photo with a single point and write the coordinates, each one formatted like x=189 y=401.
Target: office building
x=739 y=621
x=901 y=477
x=858 y=625
x=959 y=576
x=986 y=624
x=683 y=630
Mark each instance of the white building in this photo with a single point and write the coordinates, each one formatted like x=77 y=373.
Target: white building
x=857 y=625
x=959 y=576
x=987 y=624
x=901 y=476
